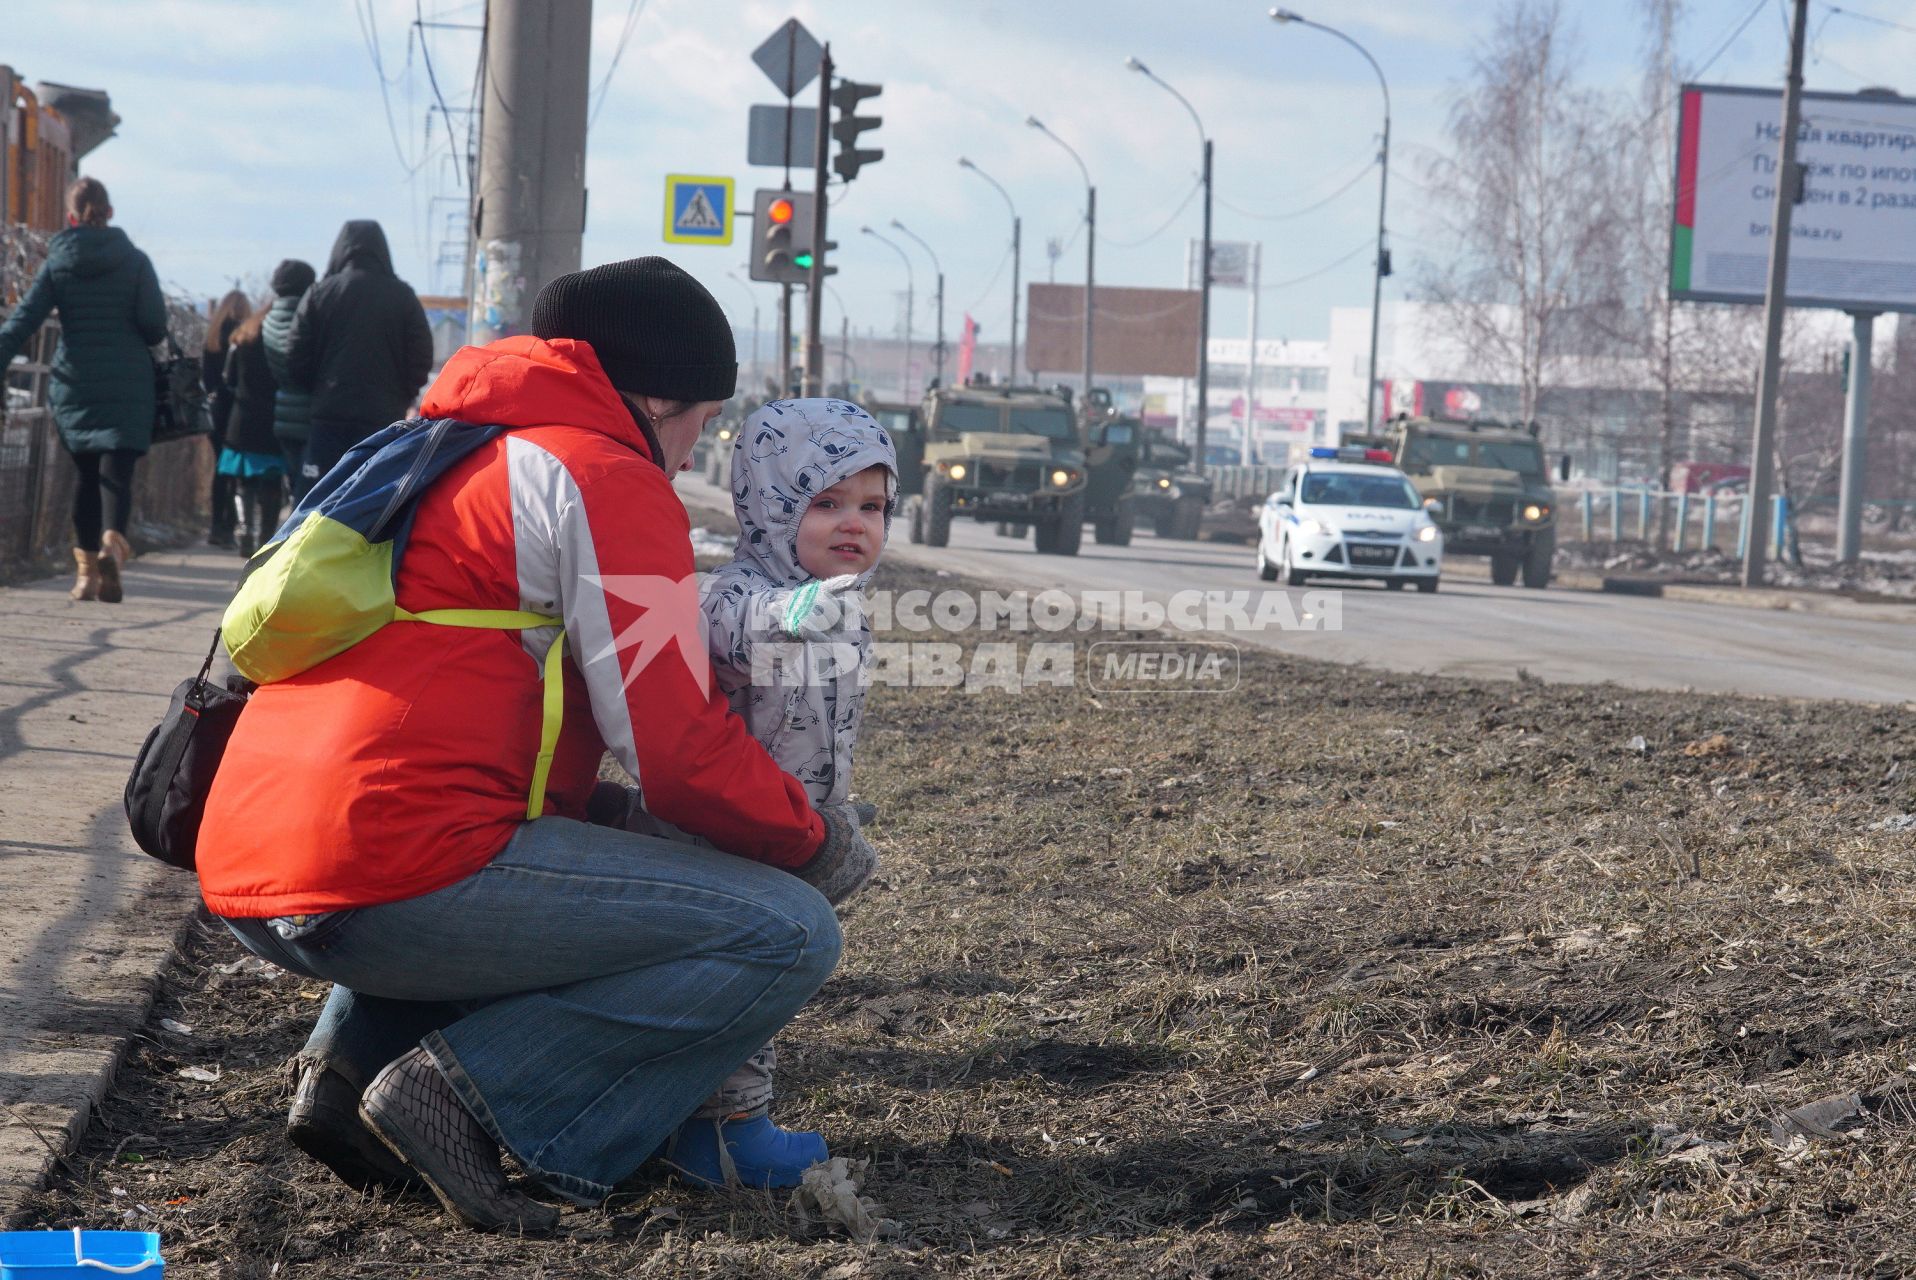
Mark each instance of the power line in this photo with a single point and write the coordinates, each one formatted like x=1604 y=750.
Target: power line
x=631 y=20
x=1313 y=207
x=992 y=283
x=425 y=51
x=1368 y=242
x=1724 y=47
x=1164 y=226
x=1869 y=17
x=369 y=32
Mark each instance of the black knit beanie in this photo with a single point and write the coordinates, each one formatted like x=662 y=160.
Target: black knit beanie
x=655 y=329
x=292 y=278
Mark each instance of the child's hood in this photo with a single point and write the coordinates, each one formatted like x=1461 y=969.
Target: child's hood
x=789 y=452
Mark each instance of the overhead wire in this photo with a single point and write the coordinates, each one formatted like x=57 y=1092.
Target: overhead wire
x=1326 y=269
x=1162 y=227
x=1836 y=9
x=1723 y=48
x=993 y=282
x=1313 y=207
x=369 y=32
x=632 y=14
x=425 y=51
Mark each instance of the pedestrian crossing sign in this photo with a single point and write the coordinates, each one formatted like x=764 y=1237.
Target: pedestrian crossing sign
x=698 y=210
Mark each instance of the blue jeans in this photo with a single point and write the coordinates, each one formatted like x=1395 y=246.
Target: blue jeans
x=589 y=987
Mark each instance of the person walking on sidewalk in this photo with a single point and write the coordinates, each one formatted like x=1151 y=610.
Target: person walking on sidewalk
x=252 y=457
x=359 y=346
x=292 y=410
x=227 y=315
x=111 y=313
x=564 y=991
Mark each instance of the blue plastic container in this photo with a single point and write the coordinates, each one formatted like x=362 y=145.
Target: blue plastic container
x=80 y=1255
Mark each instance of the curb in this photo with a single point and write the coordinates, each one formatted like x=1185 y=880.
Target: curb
x=1773 y=599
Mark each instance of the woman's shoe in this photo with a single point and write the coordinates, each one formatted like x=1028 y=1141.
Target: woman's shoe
x=412 y=1109
x=114 y=552
x=751 y=1152
x=86 y=576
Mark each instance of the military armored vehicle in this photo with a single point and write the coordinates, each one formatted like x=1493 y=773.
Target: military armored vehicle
x=1487 y=486
x=1012 y=455
x=1138 y=473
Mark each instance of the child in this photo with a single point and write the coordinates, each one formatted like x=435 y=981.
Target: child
x=814 y=484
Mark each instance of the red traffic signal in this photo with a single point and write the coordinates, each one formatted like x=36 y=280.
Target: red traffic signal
x=779 y=212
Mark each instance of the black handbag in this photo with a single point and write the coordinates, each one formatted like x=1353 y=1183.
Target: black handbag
x=180 y=409
x=173 y=774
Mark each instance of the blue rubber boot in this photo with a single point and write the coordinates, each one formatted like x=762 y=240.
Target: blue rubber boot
x=750 y=1152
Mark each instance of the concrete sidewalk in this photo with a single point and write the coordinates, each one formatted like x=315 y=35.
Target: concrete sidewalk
x=89 y=920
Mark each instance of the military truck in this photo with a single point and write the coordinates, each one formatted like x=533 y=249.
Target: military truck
x=1487 y=486
x=1138 y=473
x=1012 y=455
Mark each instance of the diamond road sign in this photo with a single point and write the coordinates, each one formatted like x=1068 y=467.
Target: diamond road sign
x=791 y=57
x=698 y=210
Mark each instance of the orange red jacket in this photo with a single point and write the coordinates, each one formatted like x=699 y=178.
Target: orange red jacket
x=402 y=765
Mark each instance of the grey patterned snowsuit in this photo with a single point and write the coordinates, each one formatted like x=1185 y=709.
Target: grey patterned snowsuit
x=788 y=453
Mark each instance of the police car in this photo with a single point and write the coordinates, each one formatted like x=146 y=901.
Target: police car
x=1348 y=513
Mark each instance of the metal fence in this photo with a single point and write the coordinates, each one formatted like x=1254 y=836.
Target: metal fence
x=172 y=484
x=1684 y=522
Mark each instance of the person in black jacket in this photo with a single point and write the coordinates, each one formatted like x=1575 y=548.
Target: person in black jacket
x=102 y=394
x=252 y=458
x=359 y=345
x=292 y=410
x=228 y=313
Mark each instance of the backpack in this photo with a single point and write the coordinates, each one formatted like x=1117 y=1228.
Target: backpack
x=320 y=586
x=325 y=581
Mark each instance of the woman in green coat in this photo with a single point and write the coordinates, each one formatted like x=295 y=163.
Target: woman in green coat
x=111 y=313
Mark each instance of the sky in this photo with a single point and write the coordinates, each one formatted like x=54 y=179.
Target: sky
x=253 y=128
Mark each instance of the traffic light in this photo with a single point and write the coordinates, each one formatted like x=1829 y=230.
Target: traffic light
x=849 y=124
x=782 y=230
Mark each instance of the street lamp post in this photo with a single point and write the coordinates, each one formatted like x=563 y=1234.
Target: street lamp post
x=1204 y=305
x=899 y=226
x=906 y=259
x=1017 y=232
x=1090 y=248
x=1383 y=186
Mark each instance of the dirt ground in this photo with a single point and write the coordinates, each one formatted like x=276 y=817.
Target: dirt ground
x=1338 y=974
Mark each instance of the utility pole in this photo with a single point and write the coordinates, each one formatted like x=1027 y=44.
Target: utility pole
x=1090 y=284
x=1017 y=234
x=529 y=204
x=1775 y=301
x=815 y=290
x=1250 y=361
x=1204 y=314
x=1849 y=503
x=784 y=341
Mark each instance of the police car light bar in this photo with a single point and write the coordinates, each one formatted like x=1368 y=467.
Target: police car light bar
x=1352 y=453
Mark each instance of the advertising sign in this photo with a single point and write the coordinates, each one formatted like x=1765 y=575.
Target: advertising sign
x=1136 y=331
x=1853 y=232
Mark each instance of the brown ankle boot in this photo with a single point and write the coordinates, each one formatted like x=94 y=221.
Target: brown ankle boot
x=110 y=589
x=86 y=576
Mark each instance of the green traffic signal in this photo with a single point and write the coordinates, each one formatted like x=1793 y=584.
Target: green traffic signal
x=803 y=261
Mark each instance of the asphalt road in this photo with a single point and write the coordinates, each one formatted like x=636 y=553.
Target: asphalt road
x=1471 y=628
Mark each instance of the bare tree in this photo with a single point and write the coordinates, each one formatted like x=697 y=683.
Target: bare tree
x=1522 y=193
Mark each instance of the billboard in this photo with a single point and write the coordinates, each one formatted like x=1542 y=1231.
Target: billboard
x=1853 y=232
x=1136 y=331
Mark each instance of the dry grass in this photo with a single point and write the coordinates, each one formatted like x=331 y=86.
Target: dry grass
x=1345 y=974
